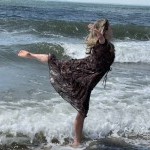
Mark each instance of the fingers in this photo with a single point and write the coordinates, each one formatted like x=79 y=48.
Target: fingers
x=90 y=26
x=98 y=33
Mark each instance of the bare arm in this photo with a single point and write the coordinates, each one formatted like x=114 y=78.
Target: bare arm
x=40 y=57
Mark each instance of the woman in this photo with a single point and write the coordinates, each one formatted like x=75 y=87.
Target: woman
x=75 y=79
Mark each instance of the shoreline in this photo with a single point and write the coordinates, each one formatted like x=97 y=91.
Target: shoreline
x=107 y=143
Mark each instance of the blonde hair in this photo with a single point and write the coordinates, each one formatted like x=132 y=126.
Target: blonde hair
x=91 y=39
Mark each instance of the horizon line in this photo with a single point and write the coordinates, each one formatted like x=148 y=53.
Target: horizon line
x=68 y=1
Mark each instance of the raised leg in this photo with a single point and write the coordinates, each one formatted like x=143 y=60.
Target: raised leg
x=40 y=57
x=78 y=127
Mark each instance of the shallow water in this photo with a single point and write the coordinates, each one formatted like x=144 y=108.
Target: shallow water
x=34 y=116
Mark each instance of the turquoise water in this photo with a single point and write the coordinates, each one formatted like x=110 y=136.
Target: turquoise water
x=33 y=114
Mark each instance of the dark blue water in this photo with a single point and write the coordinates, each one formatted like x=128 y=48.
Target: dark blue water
x=30 y=10
x=33 y=114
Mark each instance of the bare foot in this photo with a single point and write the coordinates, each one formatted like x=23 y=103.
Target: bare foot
x=24 y=54
x=75 y=145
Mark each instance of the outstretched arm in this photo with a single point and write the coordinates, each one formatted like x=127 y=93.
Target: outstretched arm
x=40 y=57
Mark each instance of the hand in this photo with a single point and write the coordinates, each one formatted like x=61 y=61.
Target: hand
x=100 y=36
x=24 y=54
x=91 y=27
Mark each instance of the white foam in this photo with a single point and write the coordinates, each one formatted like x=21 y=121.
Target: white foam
x=121 y=109
x=75 y=50
x=12 y=38
x=32 y=119
x=132 y=51
x=22 y=37
x=126 y=51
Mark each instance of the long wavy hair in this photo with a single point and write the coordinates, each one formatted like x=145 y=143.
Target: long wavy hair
x=91 y=39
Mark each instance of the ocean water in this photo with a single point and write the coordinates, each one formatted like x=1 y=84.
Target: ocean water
x=33 y=115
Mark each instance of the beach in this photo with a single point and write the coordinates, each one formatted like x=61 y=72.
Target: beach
x=33 y=116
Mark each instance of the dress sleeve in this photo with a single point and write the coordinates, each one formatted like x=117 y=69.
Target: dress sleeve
x=100 y=49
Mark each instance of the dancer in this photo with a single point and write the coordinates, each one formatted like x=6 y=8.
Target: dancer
x=74 y=79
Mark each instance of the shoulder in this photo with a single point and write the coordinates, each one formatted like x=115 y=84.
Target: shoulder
x=101 y=45
x=100 y=49
x=111 y=47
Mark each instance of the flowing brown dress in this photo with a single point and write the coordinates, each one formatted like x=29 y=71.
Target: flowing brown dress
x=75 y=79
